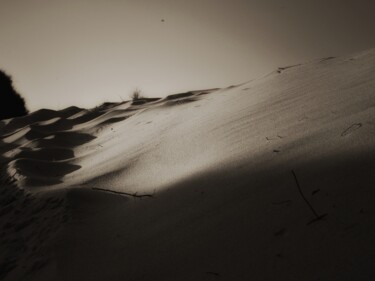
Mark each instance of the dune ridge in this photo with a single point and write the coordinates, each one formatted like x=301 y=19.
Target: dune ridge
x=199 y=185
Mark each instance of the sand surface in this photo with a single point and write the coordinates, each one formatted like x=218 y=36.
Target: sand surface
x=199 y=185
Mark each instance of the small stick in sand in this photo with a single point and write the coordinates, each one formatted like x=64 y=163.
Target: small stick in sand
x=351 y=129
x=317 y=217
x=123 y=193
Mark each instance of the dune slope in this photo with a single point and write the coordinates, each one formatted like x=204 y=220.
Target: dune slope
x=269 y=180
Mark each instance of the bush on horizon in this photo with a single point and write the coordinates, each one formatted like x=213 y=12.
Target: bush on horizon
x=11 y=103
x=136 y=95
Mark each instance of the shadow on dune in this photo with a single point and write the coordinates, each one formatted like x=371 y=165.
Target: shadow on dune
x=5 y=147
x=38 y=118
x=178 y=96
x=259 y=219
x=47 y=154
x=114 y=120
x=27 y=222
x=62 y=139
x=241 y=222
x=142 y=101
x=39 y=172
x=46 y=159
x=30 y=156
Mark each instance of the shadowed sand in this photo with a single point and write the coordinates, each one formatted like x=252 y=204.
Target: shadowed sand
x=199 y=185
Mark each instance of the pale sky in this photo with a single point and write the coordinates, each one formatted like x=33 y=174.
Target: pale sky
x=85 y=52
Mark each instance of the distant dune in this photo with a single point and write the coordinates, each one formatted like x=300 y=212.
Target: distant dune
x=269 y=180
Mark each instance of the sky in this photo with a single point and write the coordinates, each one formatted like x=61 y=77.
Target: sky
x=86 y=52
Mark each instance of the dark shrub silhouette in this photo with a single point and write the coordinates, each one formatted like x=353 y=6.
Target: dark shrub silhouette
x=11 y=103
x=136 y=95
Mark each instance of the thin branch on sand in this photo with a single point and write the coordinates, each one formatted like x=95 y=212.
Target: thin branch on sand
x=351 y=129
x=317 y=217
x=123 y=193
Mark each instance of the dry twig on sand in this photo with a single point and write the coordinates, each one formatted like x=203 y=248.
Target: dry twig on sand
x=317 y=217
x=351 y=129
x=123 y=193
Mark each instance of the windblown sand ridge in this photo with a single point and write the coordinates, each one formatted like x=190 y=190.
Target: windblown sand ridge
x=199 y=186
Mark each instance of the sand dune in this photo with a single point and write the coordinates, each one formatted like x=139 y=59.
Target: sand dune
x=199 y=185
